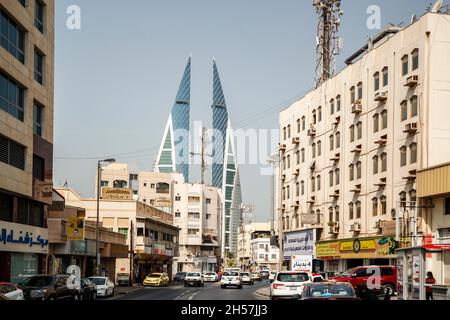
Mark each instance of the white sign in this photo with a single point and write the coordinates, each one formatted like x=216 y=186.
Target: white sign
x=300 y=243
x=23 y=238
x=302 y=263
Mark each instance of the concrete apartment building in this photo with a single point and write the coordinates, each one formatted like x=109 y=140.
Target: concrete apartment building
x=26 y=134
x=351 y=148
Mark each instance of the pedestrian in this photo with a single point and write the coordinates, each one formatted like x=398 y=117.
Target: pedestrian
x=430 y=280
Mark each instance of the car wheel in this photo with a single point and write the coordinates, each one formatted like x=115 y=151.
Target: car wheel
x=240 y=286
x=223 y=287
x=51 y=298
x=389 y=289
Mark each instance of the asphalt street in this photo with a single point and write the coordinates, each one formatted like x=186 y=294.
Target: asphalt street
x=211 y=291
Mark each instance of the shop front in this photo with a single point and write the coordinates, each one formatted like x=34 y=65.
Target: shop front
x=340 y=255
x=23 y=251
x=299 y=251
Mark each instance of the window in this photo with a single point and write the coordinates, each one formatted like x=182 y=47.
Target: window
x=288 y=192
x=303 y=123
x=352 y=95
x=313 y=184
x=330 y=214
x=375 y=164
x=297 y=189
x=12 y=153
x=385 y=76
x=303 y=155
x=358 y=210
x=119 y=184
x=338 y=176
x=318 y=183
x=413 y=151
x=350 y=211
x=337 y=213
x=284 y=133
x=38 y=66
x=352 y=133
x=338 y=140
x=384 y=119
x=413 y=198
x=374 y=207
x=359 y=128
x=38 y=119
x=287 y=227
x=298 y=126
x=383 y=162
x=152 y=186
x=193 y=232
x=11 y=97
x=163 y=188
x=39 y=16
x=319 y=148
x=352 y=172
x=331 y=177
x=383 y=205
x=23 y=2
x=404 y=110
x=208 y=201
x=140 y=232
x=414 y=106
x=415 y=59
x=332 y=106
x=38 y=168
x=193 y=215
x=104 y=183
x=284 y=163
x=319 y=112
x=358 y=170
x=208 y=216
x=297 y=156
x=283 y=193
x=331 y=142
x=376 y=118
x=123 y=231
x=12 y=37
x=360 y=91
x=338 y=103
x=376 y=81
x=447 y=206
x=314 y=116
x=288 y=162
x=403 y=156
x=289 y=131
x=405 y=66
x=302 y=184
x=177 y=198
x=313 y=150
x=402 y=196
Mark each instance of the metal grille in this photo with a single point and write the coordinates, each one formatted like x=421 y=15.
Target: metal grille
x=38 y=168
x=12 y=153
x=6 y=207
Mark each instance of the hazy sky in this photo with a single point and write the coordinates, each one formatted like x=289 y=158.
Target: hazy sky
x=116 y=78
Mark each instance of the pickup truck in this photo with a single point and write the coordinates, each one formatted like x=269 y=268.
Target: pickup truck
x=194 y=279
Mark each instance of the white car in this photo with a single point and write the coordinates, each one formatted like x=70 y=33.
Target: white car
x=103 y=286
x=194 y=279
x=11 y=291
x=247 y=278
x=211 y=277
x=288 y=284
x=272 y=276
x=231 y=278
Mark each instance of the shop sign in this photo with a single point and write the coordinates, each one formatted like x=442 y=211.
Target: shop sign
x=358 y=249
x=117 y=194
x=158 y=249
x=75 y=229
x=299 y=244
x=23 y=238
x=327 y=249
x=301 y=263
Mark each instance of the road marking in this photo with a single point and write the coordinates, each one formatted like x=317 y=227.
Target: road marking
x=193 y=295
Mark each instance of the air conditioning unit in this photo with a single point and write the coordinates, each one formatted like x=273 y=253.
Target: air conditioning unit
x=337 y=120
x=335 y=194
x=411 y=128
x=336 y=157
x=355 y=227
x=282 y=147
x=296 y=204
x=379 y=224
x=382 y=141
x=331 y=223
x=297 y=172
x=358 y=149
x=334 y=229
x=312 y=131
x=381 y=183
x=381 y=96
x=312 y=200
x=357 y=108
x=357 y=189
x=296 y=140
x=412 y=81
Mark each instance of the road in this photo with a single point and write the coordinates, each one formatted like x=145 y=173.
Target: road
x=211 y=291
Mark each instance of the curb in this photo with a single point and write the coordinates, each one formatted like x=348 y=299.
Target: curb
x=262 y=293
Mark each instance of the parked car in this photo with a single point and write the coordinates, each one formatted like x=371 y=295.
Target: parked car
x=287 y=284
x=328 y=291
x=156 y=280
x=246 y=278
x=103 y=285
x=194 y=279
x=179 y=277
x=45 y=287
x=231 y=278
x=3 y=297
x=272 y=276
x=11 y=291
x=211 y=277
x=255 y=276
x=87 y=290
x=386 y=278
x=123 y=279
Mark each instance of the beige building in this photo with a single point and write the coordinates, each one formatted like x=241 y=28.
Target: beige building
x=352 y=147
x=26 y=132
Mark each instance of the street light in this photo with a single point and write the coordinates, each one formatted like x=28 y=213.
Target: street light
x=97 y=249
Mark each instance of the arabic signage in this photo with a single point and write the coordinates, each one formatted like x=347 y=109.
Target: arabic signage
x=117 y=194
x=163 y=202
x=302 y=263
x=23 y=238
x=358 y=248
x=75 y=229
x=299 y=243
x=159 y=249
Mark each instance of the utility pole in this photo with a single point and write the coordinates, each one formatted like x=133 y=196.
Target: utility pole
x=131 y=253
x=202 y=154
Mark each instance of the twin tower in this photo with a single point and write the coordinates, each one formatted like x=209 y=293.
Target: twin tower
x=174 y=153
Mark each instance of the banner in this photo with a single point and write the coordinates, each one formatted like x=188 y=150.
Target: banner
x=363 y=248
x=75 y=229
x=300 y=243
x=301 y=263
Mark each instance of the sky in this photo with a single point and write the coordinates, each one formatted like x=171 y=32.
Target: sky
x=116 y=78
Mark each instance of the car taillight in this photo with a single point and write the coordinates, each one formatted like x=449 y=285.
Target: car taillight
x=277 y=285
x=237 y=278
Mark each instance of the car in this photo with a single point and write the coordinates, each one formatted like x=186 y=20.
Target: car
x=194 y=279
x=264 y=274
x=288 y=284
x=246 y=278
x=231 y=278
x=255 y=276
x=156 y=280
x=211 y=277
x=123 y=279
x=384 y=276
x=272 y=276
x=11 y=291
x=103 y=285
x=317 y=278
x=328 y=291
x=87 y=290
x=179 y=277
x=3 y=297
x=46 y=287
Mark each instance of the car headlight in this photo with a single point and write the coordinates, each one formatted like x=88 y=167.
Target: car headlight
x=38 y=293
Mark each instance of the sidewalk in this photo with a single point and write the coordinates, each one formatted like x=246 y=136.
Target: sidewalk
x=263 y=292
x=127 y=290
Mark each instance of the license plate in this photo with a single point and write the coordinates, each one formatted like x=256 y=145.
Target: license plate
x=293 y=288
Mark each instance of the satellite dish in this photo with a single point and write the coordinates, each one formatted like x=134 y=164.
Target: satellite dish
x=437 y=6
x=413 y=18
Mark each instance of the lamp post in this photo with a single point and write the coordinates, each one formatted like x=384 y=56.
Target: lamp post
x=97 y=249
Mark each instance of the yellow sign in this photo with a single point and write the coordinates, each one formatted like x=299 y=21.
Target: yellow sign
x=117 y=194
x=383 y=247
x=327 y=249
x=363 y=245
x=75 y=229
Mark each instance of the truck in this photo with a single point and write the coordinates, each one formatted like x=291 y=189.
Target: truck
x=122 y=276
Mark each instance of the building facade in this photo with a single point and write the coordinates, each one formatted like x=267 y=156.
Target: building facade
x=26 y=135
x=351 y=148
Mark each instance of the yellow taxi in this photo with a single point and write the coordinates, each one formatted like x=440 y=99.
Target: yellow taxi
x=156 y=280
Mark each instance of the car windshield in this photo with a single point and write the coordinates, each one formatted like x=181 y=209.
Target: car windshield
x=330 y=290
x=41 y=281
x=192 y=274
x=210 y=274
x=292 y=277
x=155 y=275
x=231 y=274
x=245 y=274
x=98 y=281
x=181 y=273
x=346 y=273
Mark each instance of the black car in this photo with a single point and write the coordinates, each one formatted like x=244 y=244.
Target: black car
x=328 y=291
x=179 y=277
x=45 y=287
x=87 y=290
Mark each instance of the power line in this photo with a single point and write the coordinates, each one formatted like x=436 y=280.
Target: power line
x=119 y=155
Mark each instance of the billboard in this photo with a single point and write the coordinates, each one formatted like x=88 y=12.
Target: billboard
x=301 y=243
x=302 y=263
x=75 y=229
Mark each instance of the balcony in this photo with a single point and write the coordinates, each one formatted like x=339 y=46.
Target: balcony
x=282 y=147
x=296 y=204
x=312 y=131
x=335 y=195
x=337 y=120
x=312 y=200
x=357 y=107
x=382 y=141
x=297 y=172
x=355 y=227
x=412 y=81
x=381 y=96
x=336 y=157
x=381 y=183
x=357 y=149
x=412 y=175
x=357 y=189
x=296 y=140
x=411 y=128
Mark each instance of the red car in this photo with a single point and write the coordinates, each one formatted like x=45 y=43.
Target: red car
x=380 y=277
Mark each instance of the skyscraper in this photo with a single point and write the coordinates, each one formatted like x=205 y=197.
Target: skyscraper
x=173 y=154
x=225 y=171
